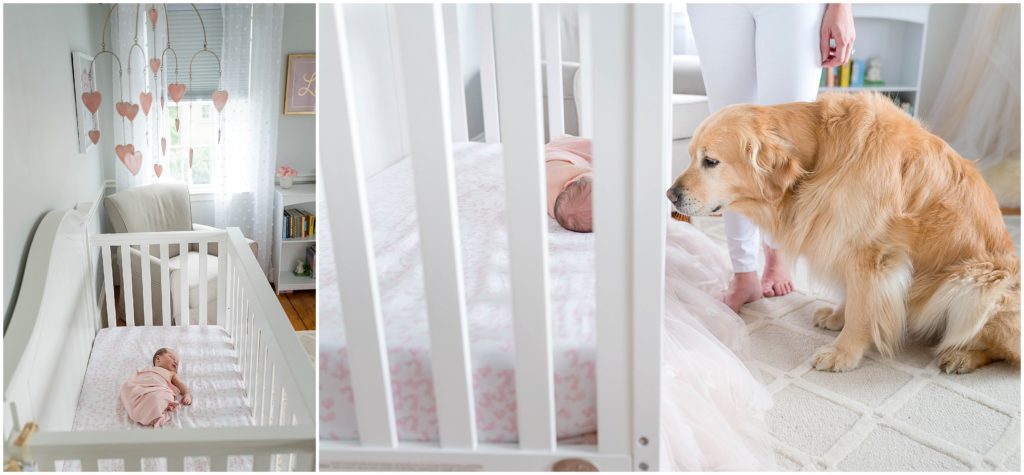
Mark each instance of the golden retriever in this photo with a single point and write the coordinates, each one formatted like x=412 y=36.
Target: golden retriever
x=887 y=212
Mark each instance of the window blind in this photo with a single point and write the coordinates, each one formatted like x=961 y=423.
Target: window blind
x=186 y=34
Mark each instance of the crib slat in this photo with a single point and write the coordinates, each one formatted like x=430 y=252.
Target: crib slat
x=218 y=463
x=222 y=283
x=126 y=286
x=613 y=154
x=353 y=251
x=585 y=95
x=261 y=462
x=203 y=287
x=90 y=465
x=264 y=388
x=257 y=337
x=550 y=15
x=147 y=285
x=652 y=92
x=165 y=284
x=422 y=55
x=133 y=464
x=456 y=88
x=108 y=286
x=488 y=76
x=184 y=317
x=303 y=462
x=176 y=464
x=518 y=50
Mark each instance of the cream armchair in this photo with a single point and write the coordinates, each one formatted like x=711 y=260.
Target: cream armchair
x=157 y=208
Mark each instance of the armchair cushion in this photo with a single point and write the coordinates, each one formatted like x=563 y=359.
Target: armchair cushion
x=157 y=207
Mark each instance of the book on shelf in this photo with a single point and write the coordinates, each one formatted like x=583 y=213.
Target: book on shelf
x=849 y=74
x=844 y=75
x=298 y=224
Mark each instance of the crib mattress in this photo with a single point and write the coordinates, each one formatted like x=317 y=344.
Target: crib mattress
x=207 y=366
x=481 y=196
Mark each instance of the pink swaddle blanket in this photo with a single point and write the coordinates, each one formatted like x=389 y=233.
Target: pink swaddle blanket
x=149 y=398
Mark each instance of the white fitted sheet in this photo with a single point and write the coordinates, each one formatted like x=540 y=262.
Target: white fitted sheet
x=208 y=366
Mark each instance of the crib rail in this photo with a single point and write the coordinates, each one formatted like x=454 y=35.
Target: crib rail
x=270 y=448
x=628 y=58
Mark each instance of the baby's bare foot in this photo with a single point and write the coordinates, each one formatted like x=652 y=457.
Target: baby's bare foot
x=776 y=281
x=744 y=288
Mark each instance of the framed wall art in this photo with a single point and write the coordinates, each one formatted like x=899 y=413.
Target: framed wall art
x=300 y=85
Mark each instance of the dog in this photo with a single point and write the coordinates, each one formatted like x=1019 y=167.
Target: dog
x=886 y=212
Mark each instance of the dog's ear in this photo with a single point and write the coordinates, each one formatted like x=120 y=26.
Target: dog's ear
x=773 y=161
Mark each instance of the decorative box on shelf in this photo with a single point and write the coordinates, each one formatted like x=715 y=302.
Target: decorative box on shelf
x=294 y=234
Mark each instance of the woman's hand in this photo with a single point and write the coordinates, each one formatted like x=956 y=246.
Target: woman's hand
x=837 y=24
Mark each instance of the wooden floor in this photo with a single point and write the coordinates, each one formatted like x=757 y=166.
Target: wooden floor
x=300 y=306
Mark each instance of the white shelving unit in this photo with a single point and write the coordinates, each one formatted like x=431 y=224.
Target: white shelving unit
x=897 y=35
x=288 y=251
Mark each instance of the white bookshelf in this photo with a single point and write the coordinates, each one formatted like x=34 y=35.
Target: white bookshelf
x=897 y=35
x=288 y=251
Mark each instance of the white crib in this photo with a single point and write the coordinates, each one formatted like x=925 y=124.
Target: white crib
x=626 y=84
x=65 y=292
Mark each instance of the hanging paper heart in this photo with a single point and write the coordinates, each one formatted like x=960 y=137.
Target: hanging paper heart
x=158 y=169
x=122 y=150
x=131 y=111
x=154 y=65
x=146 y=99
x=177 y=125
x=152 y=16
x=133 y=162
x=190 y=157
x=92 y=100
x=123 y=108
x=176 y=91
x=163 y=146
x=94 y=135
x=219 y=99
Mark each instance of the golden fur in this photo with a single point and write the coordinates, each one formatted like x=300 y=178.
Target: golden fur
x=884 y=210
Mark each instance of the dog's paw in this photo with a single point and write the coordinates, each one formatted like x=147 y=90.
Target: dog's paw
x=829 y=318
x=962 y=361
x=830 y=358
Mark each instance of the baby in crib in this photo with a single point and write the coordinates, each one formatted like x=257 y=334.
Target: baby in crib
x=567 y=162
x=150 y=395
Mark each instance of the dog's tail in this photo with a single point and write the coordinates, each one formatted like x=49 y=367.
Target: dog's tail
x=968 y=297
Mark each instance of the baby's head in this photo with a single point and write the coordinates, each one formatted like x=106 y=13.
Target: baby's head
x=574 y=206
x=166 y=358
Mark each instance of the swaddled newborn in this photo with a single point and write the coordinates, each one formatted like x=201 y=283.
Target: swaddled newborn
x=150 y=395
x=567 y=162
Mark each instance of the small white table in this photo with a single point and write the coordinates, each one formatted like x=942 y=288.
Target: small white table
x=287 y=251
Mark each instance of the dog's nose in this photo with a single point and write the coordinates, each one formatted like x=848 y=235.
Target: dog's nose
x=674 y=195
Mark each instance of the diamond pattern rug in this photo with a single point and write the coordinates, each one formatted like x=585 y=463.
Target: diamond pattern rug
x=889 y=414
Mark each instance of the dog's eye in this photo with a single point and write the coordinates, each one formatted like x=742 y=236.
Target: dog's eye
x=710 y=162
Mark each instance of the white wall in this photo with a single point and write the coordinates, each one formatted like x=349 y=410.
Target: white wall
x=375 y=85
x=43 y=170
x=944 y=20
x=296 y=138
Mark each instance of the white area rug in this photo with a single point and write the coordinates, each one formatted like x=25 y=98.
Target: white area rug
x=901 y=414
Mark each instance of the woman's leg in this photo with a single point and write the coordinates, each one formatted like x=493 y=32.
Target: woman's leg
x=725 y=41
x=788 y=70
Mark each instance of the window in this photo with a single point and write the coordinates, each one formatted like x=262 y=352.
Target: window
x=199 y=131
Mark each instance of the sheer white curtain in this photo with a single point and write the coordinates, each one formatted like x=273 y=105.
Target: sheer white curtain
x=252 y=77
x=977 y=108
x=127 y=21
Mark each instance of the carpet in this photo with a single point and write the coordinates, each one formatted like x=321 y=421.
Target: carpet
x=889 y=414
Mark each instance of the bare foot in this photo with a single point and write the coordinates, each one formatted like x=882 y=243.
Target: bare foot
x=744 y=288
x=776 y=281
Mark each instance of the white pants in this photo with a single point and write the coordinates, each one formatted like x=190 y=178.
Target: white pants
x=760 y=54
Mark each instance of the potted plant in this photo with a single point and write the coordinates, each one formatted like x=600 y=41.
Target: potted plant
x=285 y=176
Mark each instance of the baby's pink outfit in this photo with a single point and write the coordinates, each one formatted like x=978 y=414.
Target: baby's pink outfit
x=568 y=148
x=149 y=398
